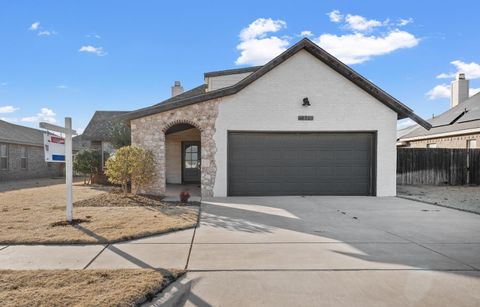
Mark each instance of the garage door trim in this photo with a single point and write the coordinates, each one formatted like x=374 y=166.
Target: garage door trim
x=373 y=168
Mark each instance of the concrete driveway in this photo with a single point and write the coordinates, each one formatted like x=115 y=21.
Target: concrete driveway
x=330 y=251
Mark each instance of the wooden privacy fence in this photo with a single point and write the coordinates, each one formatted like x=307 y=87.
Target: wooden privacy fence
x=437 y=166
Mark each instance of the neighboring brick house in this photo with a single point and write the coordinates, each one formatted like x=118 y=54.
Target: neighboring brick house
x=22 y=155
x=97 y=134
x=302 y=124
x=459 y=127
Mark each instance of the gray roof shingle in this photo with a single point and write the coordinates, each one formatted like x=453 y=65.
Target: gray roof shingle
x=16 y=134
x=465 y=115
x=99 y=127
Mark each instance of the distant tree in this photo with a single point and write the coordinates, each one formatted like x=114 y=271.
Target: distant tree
x=88 y=162
x=130 y=164
x=120 y=135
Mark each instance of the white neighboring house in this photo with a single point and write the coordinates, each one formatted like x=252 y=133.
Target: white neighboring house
x=302 y=124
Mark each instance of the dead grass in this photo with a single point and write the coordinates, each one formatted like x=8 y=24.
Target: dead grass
x=27 y=214
x=128 y=287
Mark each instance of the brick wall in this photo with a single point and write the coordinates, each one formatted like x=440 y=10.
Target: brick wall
x=36 y=165
x=458 y=142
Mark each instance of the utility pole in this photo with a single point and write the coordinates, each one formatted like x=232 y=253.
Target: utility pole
x=67 y=130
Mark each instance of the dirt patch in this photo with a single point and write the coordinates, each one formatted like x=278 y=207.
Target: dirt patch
x=67 y=223
x=116 y=199
x=28 y=211
x=459 y=197
x=82 y=287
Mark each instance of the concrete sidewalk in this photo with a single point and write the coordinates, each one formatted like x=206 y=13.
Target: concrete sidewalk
x=162 y=251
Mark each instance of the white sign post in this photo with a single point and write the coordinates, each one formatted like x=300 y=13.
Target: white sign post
x=67 y=130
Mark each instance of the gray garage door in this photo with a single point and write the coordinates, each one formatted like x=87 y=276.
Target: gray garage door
x=262 y=164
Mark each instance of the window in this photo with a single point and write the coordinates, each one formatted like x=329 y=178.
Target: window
x=23 y=157
x=191 y=156
x=3 y=156
x=432 y=145
x=471 y=144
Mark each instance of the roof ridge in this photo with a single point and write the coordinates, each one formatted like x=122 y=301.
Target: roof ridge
x=402 y=110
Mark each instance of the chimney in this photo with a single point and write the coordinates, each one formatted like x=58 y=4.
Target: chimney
x=460 y=88
x=177 y=88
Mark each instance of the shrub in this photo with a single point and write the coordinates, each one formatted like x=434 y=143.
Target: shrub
x=132 y=165
x=88 y=162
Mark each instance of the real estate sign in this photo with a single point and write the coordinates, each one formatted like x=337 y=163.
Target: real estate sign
x=54 y=147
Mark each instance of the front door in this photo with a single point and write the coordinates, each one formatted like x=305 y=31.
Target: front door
x=191 y=158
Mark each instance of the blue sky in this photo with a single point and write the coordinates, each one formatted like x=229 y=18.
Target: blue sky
x=70 y=58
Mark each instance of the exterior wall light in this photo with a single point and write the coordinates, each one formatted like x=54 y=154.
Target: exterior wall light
x=306 y=103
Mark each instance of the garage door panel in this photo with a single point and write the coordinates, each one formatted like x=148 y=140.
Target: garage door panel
x=300 y=163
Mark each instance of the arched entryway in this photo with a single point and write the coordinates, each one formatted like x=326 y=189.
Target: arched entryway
x=183 y=156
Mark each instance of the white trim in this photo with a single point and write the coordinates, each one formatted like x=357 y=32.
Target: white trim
x=439 y=135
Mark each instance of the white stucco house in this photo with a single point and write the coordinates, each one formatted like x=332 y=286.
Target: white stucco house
x=302 y=124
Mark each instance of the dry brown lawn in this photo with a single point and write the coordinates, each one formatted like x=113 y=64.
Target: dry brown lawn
x=29 y=208
x=128 y=287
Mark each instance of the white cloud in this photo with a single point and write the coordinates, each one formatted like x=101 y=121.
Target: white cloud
x=93 y=35
x=360 y=23
x=335 y=16
x=403 y=22
x=8 y=109
x=306 y=33
x=439 y=92
x=260 y=27
x=91 y=49
x=471 y=70
x=443 y=91
x=255 y=47
x=62 y=86
x=357 y=47
x=445 y=76
x=3 y=84
x=46 y=33
x=34 y=26
x=258 y=46
x=45 y=115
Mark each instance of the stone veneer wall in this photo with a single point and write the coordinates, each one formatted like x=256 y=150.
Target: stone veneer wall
x=149 y=132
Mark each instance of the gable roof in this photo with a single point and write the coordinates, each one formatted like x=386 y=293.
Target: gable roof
x=464 y=116
x=16 y=134
x=305 y=44
x=99 y=127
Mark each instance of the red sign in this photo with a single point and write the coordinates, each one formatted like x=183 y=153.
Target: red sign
x=57 y=140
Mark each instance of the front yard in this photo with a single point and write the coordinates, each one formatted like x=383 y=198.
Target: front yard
x=82 y=287
x=33 y=212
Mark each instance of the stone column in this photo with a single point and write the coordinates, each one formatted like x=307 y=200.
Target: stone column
x=209 y=168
